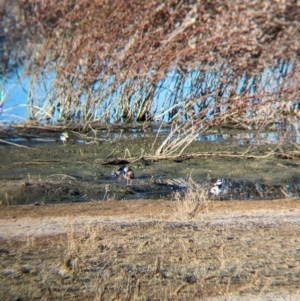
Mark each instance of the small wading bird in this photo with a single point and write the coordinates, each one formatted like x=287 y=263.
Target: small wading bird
x=127 y=173
x=64 y=137
x=217 y=189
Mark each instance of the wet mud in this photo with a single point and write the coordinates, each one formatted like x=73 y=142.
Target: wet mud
x=44 y=170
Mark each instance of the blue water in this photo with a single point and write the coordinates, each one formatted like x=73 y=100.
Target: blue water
x=14 y=108
x=173 y=96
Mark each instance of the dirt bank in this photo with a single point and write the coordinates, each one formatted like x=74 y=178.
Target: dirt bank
x=149 y=250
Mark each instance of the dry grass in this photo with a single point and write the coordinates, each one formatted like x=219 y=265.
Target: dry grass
x=151 y=260
x=193 y=201
x=179 y=138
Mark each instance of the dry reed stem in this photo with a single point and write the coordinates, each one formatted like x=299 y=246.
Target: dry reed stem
x=192 y=201
x=112 y=66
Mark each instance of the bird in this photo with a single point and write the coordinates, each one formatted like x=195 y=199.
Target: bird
x=127 y=173
x=64 y=137
x=217 y=189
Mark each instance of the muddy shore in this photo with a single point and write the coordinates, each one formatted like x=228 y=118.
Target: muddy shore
x=69 y=231
x=45 y=170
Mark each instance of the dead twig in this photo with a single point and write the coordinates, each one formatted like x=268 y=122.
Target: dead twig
x=37 y=162
x=60 y=174
x=14 y=144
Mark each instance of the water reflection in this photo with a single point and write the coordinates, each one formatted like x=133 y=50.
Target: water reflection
x=253 y=138
x=241 y=138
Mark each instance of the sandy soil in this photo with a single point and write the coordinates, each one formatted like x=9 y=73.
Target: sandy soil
x=151 y=250
x=27 y=221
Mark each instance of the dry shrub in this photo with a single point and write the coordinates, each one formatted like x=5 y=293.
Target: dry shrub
x=193 y=201
x=179 y=138
x=124 y=61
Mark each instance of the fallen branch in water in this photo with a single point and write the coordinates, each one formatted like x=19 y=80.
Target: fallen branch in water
x=181 y=157
x=114 y=161
x=14 y=144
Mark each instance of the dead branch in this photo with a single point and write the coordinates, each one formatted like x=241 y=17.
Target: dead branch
x=182 y=157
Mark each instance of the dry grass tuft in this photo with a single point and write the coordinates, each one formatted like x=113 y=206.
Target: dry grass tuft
x=193 y=201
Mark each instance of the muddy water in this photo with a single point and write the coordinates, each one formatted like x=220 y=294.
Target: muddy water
x=46 y=171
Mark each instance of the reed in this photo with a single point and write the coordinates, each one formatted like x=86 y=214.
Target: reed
x=190 y=63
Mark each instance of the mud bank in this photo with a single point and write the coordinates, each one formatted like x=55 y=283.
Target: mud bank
x=43 y=170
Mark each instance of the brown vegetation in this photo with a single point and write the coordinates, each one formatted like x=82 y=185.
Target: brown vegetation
x=150 y=251
x=195 y=64
x=211 y=61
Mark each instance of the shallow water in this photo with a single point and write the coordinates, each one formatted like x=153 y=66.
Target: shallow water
x=49 y=172
x=221 y=136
